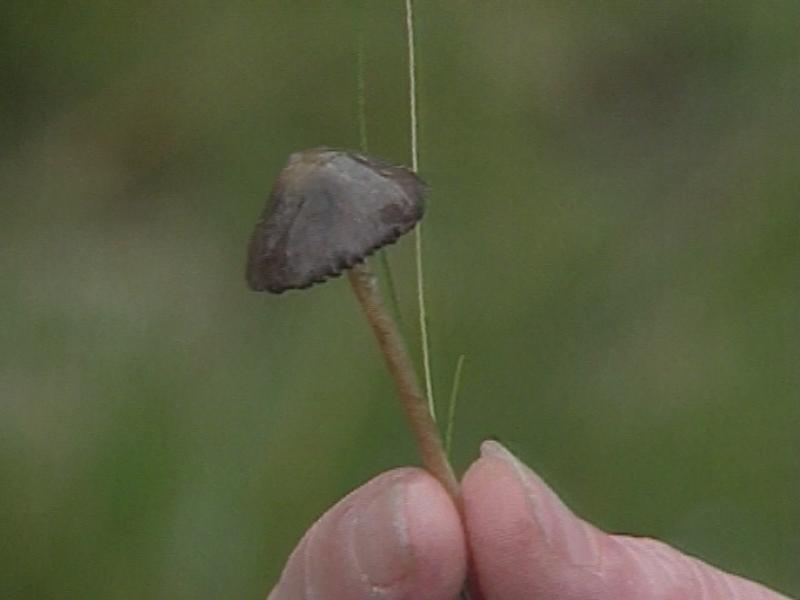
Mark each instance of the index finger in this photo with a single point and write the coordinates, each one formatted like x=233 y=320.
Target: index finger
x=526 y=544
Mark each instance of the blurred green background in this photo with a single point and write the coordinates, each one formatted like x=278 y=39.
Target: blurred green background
x=612 y=240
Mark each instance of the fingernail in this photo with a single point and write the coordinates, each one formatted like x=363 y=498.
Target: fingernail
x=379 y=538
x=563 y=532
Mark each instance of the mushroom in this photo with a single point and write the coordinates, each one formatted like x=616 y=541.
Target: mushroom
x=328 y=211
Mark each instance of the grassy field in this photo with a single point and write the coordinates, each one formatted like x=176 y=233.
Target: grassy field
x=611 y=239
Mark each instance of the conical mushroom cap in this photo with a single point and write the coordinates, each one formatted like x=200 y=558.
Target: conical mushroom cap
x=329 y=210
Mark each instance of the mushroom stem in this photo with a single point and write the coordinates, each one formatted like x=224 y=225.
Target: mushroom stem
x=412 y=400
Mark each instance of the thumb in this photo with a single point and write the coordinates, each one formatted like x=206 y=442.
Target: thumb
x=527 y=544
x=397 y=537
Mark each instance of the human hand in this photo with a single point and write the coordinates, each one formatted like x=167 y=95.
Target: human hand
x=399 y=537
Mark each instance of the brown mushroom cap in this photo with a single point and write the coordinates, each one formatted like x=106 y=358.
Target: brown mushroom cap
x=329 y=210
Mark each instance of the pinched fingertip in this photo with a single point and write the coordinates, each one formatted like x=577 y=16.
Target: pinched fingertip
x=398 y=536
x=526 y=544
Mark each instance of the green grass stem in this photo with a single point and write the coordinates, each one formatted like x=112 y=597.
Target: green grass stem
x=451 y=407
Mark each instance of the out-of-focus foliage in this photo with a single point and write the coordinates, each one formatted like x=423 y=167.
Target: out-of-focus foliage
x=612 y=239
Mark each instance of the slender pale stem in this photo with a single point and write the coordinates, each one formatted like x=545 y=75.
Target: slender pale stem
x=471 y=590
x=412 y=401
x=412 y=103
x=412 y=83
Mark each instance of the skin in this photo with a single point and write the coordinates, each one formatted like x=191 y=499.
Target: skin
x=399 y=537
